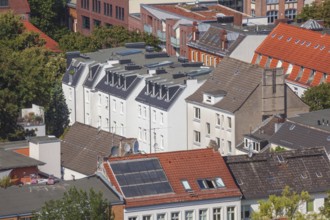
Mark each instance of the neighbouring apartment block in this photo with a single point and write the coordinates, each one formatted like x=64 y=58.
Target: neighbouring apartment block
x=303 y=54
x=19 y=7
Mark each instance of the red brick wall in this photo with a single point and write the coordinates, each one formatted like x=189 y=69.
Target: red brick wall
x=118 y=211
x=185 y=30
x=198 y=55
x=134 y=24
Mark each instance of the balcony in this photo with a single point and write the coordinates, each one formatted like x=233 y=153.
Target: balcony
x=175 y=42
x=147 y=29
x=161 y=35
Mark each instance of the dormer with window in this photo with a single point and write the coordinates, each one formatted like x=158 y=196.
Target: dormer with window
x=210 y=183
x=254 y=143
x=213 y=97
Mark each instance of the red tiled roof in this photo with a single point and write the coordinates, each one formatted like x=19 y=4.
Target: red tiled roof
x=273 y=63
x=317 y=79
x=305 y=76
x=294 y=73
x=50 y=43
x=254 y=59
x=184 y=165
x=263 y=61
x=285 y=66
x=298 y=46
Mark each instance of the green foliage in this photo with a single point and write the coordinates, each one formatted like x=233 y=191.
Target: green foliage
x=278 y=149
x=318 y=11
x=75 y=205
x=57 y=113
x=318 y=97
x=5 y=182
x=285 y=205
x=104 y=37
x=325 y=210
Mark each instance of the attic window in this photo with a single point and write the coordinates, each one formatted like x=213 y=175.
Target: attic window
x=273 y=35
x=186 y=185
x=308 y=44
x=316 y=46
x=322 y=47
x=289 y=39
x=280 y=37
x=297 y=41
x=210 y=183
x=318 y=174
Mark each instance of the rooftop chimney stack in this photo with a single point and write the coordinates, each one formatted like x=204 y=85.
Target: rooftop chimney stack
x=195 y=31
x=223 y=38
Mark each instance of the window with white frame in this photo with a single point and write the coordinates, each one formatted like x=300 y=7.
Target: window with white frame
x=144 y=111
x=229 y=147
x=175 y=215
x=208 y=128
x=231 y=213
x=121 y=107
x=186 y=185
x=107 y=122
x=122 y=129
x=197 y=137
x=87 y=96
x=192 y=55
x=218 y=142
x=202 y=214
x=155 y=115
x=132 y=218
x=155 y=137
x=106 y=102
x=145 y=134
x=217 y=120
x=140 y=133
x=140 y=110
x=114 y=105
x=229 y=122
x=189 y=215
x=291 y=13
x=146 y=217
x=162 y=144
x=245 y=212
x=161 y=216
x=222 y=120
x=197 y=113
x=217 y=214
x=253 y=12
x=162 y=118
x=272 y=16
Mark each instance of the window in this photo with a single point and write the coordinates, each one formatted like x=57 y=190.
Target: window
x=106 y=102
x=230 y=213
x=208 y=128
x=107 y=122
x=202 y=214
x=186 y=185
x=85 y=22
x=100 y=99
x=272 y=16
x=132 y=218
x=217 y=214
x=85 y=4
x=310 y=206
x=140 y=133
x=253 y=12
x=144 y=111
x=161 y=141
x=96 y=6
x=291 y=13
x=121 y=107
x=145 y=134
x=272 y=2
x=245 y=212
x=160 y=216
x=229 y=122
x=175 y=216
x=189 y=215
x=222 y=119
x=197 y=136
x=210 y=183
x=218 y=142
x=229 y=147
x=140 y=110
x=146 y=217
x=87 y=96
x=218 y=121
x=70 y=93
x=197 y=113
x=97 y=23
x=119 y=13
x=107 y=9
x=114 y=105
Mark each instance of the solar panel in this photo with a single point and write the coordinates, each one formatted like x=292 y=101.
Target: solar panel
x=141 y=177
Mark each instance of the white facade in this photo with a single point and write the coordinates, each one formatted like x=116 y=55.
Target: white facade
x=206 y=123
x=229 y=208
x=71 y=174
x=49 y=153
x=297 y=88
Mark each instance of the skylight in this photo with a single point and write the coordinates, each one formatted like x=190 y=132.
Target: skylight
x=292 y=127
x=318 y=174
x=186 y=185
x=273 y=35
x=289 y=39
x=322 y=47
x=308 y=44
x=280 y=37
x=297 y=41
x=316 y=46
x=303 y=42
x=210 y=183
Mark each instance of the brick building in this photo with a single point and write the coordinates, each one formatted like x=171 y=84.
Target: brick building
x=19 y=7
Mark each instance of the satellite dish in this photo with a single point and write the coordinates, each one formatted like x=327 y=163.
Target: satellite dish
x=114 y=151
x=136 y=147
x=127 y=147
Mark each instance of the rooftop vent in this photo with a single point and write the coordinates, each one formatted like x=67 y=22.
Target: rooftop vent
x=125 y=61
x=132 y=66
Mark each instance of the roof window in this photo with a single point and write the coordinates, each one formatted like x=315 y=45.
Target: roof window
x=292 y=127
x=273 y=35
x=316 y=46
x=280 y=37
x=328 y=138
x=318 y=174
x=302 y=42
x=297 y=41
x=304 y=175
x=289 y=39
x=280 y=158
x=186 y=185
x=322 y=47
x=210 y=183
x=308 y=44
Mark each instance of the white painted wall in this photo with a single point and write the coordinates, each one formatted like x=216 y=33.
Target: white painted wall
x=49 y=153
x=296 y=88
x=68 y=174
x=208 y=205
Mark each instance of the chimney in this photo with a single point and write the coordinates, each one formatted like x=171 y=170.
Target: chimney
x=107 y=79
x=223 y=38
x=195 y=31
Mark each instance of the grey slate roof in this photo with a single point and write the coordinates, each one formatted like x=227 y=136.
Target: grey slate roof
x=295 y=136
x=82 y=144
x=29 y=198
x=211 y=41
x=75 y=77
x=238 y=79
x=92 y=75
x=263 y=174
x=316 y=119
x=11 y=160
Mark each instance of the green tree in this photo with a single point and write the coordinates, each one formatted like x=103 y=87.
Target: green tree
x=286 y=205
x=317 y=97
x=318 y=11
x=325 y=210
x=5 y=182
x=57 y=113
x=76 y=205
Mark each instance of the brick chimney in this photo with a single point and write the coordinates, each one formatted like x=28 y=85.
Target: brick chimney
x=195 y=32
x=223 y=38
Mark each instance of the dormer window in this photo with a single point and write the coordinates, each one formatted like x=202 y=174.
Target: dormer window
x=213 y=97
x=210 y=183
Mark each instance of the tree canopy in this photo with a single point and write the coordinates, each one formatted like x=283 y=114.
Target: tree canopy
x=317 y=97
x=318 y=11
x=76 y=205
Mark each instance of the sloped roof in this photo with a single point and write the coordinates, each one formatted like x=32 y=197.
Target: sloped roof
x=11 y=160
x=264 y=174
x=50 y=43
x=237 y=78
x=189 y=165
x=29 y=198
x=298 y=46
x=82 y=144
x=311 y=24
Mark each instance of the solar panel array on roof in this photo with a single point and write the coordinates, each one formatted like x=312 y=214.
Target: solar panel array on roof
x=141 y=177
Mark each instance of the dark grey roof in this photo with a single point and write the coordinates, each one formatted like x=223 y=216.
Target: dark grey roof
x=174 y=93
x=237 y=78
x=82 y=145
x=211 y=41
x=73 y=79
x=43 y=139
x=14 y=144
x=268 y=173
x=29 y=198
x=94 y=70
x=295 y=136
x=132 y=82
x=316 y=119
x=10 y=160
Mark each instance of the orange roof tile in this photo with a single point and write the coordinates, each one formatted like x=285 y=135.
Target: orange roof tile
x=298 y=46
x=317 y=79
x=188 y=165
x=273 y=63
x=50 y=43
x=263 y=61
x=294 y=73
x=305 y=76
x=285 y=66
x=254 y=59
